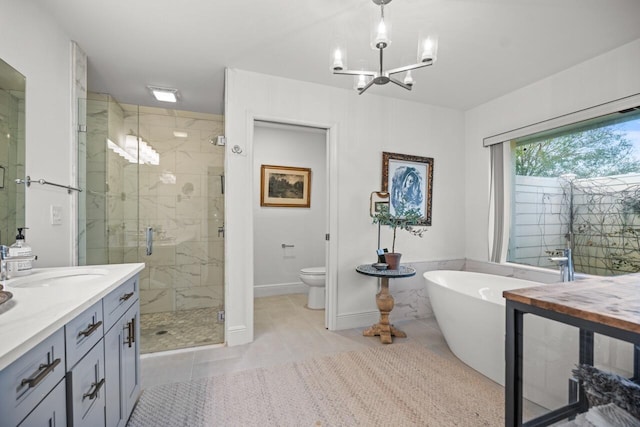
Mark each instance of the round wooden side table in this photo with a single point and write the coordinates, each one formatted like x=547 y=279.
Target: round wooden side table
x=385 y=301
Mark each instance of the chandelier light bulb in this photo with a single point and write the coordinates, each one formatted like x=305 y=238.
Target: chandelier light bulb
x=337 y=60
x=361 y=82
x=382 y=35
x=427 y=50
x=408 y=79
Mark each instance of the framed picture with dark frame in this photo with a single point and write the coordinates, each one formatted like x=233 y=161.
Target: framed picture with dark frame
x=409 y=181
x=285 y=186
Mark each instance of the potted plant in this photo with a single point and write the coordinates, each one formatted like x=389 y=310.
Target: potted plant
x=403 y=219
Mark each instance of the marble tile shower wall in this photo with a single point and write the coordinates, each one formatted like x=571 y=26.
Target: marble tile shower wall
x=182 y=200
x=118 y=170
x=12 y=162
x=93 y=247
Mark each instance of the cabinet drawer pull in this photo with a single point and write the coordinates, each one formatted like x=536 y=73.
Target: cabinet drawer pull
x=130 y=339
x=45 y=370
x=126 y=296
x=91 y=329
x=96 y=388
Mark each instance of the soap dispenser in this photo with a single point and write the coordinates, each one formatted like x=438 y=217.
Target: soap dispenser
x=19 y=267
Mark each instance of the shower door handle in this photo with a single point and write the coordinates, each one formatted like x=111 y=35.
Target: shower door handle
x=149 y=241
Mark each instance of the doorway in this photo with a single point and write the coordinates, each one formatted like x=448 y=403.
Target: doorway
x=289 y=237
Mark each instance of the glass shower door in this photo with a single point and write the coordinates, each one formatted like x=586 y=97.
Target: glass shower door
x=162 y=172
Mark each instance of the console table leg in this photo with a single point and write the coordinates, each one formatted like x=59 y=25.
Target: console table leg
x=513 y=375
x=383 y=329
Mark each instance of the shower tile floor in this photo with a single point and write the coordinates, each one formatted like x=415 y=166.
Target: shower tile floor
x=171 y=330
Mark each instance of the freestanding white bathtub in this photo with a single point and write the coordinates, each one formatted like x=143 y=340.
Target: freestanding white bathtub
x=470 y=311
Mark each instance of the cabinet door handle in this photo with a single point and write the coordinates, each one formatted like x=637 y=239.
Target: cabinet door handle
x=126 y=296
x=92 y=394
x=129 y=339
x=130 y=331
x=133 y=330
x=44 y=371
x=91 y=329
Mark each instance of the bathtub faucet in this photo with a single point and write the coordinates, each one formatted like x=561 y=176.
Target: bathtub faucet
x=565 y=262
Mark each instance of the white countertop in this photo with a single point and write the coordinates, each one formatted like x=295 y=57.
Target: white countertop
x=35 y=312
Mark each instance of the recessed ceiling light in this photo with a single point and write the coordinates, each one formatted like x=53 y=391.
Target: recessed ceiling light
x=164 y=94
x=180 y=134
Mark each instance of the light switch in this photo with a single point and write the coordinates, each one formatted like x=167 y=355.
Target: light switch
x=56 y=215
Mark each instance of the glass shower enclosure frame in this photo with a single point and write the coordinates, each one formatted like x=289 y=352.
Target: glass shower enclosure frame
x=156 y=175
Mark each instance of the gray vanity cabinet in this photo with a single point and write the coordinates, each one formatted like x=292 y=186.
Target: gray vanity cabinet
x=51 y=411
x=86 y=374
x=85 y=386
x=122 y=355
x=85 y=368
x=82 y=333
x=26 y=383
x=131 y=358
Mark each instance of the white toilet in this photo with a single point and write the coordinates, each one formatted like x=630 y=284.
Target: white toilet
x=314 y=277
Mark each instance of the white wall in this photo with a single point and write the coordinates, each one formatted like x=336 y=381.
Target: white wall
x=302 y=227
x=602 y=79
x=34 y=45
x=363 y=127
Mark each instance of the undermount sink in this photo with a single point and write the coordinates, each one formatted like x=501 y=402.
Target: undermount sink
x=52 y=278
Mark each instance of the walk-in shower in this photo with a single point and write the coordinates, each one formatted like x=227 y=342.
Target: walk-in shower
x=157 y=175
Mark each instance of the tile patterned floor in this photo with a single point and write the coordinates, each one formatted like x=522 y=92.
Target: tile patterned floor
x=173 y=330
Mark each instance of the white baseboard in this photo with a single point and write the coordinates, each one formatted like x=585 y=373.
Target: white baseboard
x=357 y=320
x=280 y=289
x=238 y=335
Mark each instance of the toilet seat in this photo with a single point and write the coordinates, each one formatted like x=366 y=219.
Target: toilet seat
x=314 y=271
x=314 y=278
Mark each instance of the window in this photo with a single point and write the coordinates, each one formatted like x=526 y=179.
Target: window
x=579 y=186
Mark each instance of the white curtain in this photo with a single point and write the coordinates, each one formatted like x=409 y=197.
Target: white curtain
x=499 y=200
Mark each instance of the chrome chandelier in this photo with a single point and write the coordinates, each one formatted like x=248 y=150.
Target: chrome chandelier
x=364 y=79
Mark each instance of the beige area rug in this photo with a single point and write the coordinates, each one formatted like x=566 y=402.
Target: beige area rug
x=394 y=385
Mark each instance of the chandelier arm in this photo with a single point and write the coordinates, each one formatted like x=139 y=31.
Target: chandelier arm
x=409 y=67
x=367 y=86
x=356 y=72
x=399 y=83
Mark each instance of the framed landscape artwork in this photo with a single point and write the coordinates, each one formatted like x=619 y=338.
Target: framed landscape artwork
x=285 y=186
x=378 y=202
x=409 y=181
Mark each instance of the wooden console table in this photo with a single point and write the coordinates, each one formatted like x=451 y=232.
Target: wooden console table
x=385 y=301
x=608 y=306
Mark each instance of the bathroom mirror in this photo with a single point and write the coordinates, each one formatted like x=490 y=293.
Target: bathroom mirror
x=12 y=151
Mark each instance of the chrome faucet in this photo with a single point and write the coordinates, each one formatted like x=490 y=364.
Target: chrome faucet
x=6 y=258
x=565 y=262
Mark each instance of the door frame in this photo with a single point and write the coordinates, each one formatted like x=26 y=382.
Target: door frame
x=239 y=254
